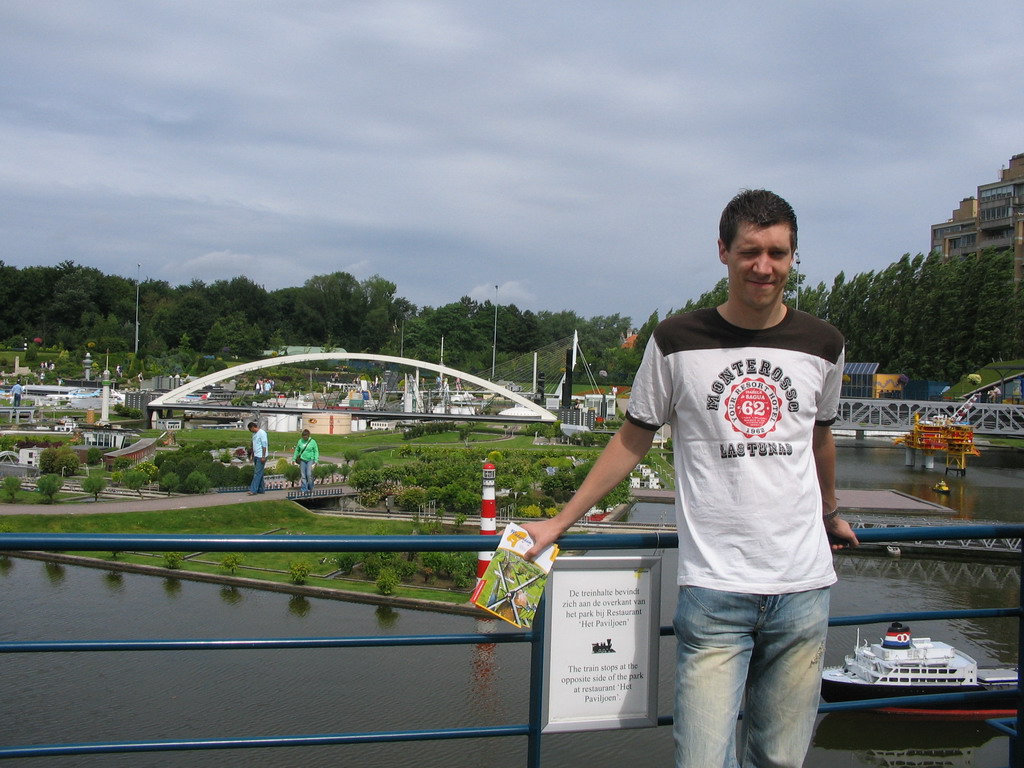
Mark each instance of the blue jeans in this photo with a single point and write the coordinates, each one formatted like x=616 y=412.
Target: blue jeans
x=768 y=648
x=306 y=475
x=258 y=465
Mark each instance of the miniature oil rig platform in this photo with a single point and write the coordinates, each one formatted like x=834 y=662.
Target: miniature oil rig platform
x=942 y=434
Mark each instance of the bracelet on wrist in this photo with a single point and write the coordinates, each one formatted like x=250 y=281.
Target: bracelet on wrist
x=830 y=515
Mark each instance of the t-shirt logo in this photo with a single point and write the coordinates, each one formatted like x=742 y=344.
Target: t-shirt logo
x=753 y=407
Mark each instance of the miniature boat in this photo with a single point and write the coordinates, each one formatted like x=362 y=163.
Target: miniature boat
x=941 y=487
x=902 y=665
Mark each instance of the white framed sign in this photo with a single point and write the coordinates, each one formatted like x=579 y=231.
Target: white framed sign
x=602 y=622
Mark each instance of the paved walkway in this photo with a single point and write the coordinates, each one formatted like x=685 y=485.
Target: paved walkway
x=190 y=501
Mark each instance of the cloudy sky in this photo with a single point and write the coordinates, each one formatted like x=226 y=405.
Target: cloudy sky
x=577 y=155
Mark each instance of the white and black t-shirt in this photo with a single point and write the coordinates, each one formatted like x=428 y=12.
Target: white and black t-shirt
x=742 y=405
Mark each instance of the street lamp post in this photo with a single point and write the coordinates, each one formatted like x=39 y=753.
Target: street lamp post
x=138 y=273
x=494 y=344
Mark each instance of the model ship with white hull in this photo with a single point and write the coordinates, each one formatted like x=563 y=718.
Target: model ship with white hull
x=902 y=665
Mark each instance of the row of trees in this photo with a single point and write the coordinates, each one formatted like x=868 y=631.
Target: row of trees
x=450 y=480
x=71 y=306
x=918 y=316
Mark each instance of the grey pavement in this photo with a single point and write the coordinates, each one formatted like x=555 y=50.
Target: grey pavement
x=190 y=501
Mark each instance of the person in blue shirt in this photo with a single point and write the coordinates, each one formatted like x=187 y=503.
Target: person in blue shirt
x=16 y=392
x=259 y=457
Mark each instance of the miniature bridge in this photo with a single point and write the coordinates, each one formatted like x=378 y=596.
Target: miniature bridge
x=873 y=415
x=176 y=399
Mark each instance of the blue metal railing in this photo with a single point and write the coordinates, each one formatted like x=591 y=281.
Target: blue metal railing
x=13 y=542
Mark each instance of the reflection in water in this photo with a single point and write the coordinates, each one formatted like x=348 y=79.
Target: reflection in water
x=114 y=581
x=386 y=616
x=486 y=697
x=869 y=585
x=172 y=586
x=299 y=606
x=55 y=573
x=416 y=687
x=400 y=688
x=890 y=741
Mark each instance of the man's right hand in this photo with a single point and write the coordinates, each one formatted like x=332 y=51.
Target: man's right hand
x=544 y=533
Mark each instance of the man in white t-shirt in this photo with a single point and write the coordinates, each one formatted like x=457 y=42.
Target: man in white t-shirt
x=750 y=389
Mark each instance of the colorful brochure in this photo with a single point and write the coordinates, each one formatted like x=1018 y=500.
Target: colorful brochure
x=511 y=587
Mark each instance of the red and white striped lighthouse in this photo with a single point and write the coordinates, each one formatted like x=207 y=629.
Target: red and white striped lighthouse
x=488 y=518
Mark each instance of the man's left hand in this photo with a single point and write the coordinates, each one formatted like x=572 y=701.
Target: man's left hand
x=840 y=534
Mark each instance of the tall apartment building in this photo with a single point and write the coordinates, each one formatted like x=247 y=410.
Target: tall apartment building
x=993 y=219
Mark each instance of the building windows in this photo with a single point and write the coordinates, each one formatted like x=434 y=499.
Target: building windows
x=990 y=194
x=999 y=212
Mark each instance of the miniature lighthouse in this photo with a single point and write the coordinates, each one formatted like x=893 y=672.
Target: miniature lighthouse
x=488 y=518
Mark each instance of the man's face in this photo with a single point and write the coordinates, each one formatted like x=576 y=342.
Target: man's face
x=759 y=261
x=252 y=429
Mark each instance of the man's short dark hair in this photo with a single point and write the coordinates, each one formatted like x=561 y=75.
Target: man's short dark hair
x=253 y=424
x=758 y=207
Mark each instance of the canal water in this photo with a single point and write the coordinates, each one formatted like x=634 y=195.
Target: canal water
x=89 y=697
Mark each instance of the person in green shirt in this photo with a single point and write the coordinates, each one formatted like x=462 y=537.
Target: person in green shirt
x=307 y=454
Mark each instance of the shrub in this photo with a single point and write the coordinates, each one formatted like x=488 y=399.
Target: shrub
x=346 y=561
x=58 y=461
x=387 y=581
x=292 y=473
x=196 y=482
x=94 y=485
x=169 y=482
x=134 y=480
x=300 y=570
x=149 y=469
x=231 y=562
x=12 y=485
x=375 y=562
x=173 y=560
x=93 y=456
x=325 y=470
x=48 y=486
x=411 y=498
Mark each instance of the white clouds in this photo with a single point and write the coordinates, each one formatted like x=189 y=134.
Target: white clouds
x=575 y=154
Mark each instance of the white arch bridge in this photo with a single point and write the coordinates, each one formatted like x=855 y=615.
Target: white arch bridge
x=868 y=414
x=507 y=406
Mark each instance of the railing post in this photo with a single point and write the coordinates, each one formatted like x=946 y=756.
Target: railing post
x=1016 y=742
x=537 y=673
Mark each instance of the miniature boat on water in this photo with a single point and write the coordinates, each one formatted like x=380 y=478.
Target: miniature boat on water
x=941 y=487
x=902 y=665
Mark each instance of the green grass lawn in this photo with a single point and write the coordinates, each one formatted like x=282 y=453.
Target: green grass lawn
x=34 y=497
x=253 y=518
